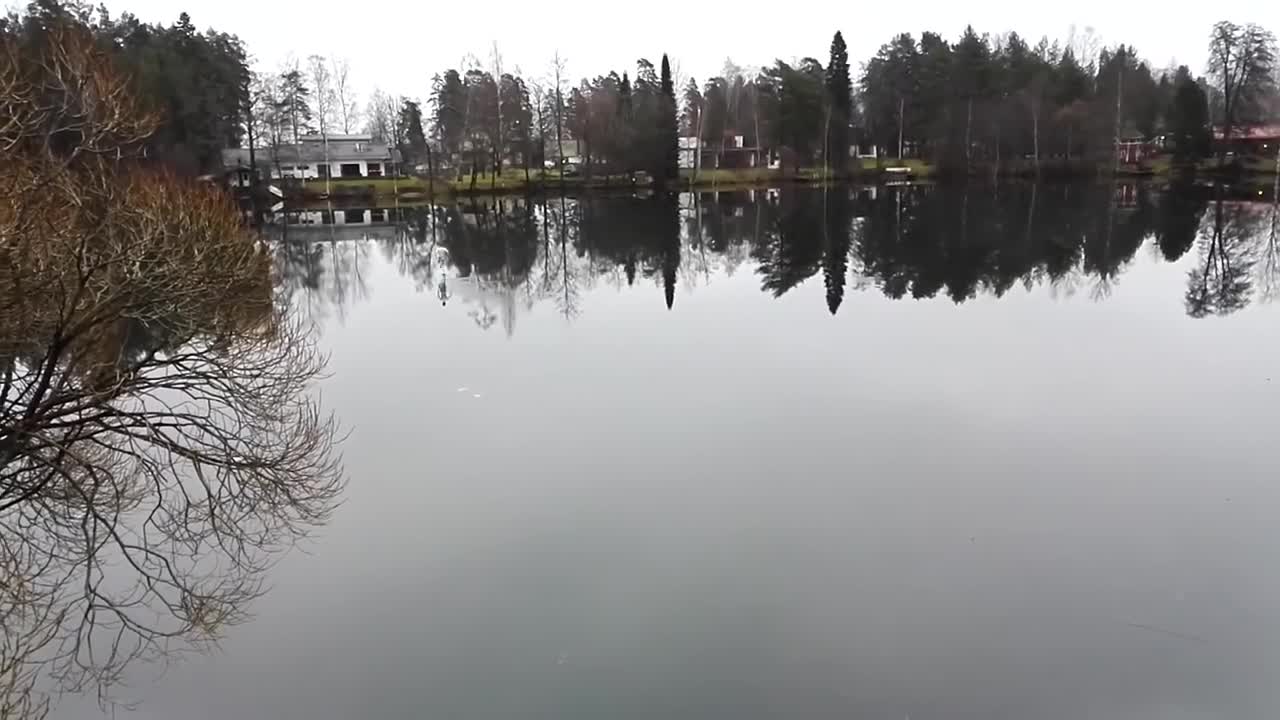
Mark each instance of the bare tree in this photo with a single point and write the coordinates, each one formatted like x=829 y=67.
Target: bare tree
x=1085 y=45
x=322 y=87
x=558 y=77
x=1269 y=262
x=499 y=143
x=158 y=440
x=276 y=116
x=348 y=111
x=1241 y=61
x=539 y=96
x=381 y=117
x=1222 y=281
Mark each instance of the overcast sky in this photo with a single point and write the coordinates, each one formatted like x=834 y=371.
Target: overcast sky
x=398 y=44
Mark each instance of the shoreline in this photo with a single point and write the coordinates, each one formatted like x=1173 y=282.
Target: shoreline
x=515 y=183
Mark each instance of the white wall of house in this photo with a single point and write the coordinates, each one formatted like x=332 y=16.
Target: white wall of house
x=311 y=171
x=294 y=171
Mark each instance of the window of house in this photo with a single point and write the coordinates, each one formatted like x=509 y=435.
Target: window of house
x=322 y=171
x=377 y=216
x=350 y=170
x=353 y=217
x=375 y=170
x=326 y=217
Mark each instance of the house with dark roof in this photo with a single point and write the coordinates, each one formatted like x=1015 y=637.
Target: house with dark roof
x=314 y=157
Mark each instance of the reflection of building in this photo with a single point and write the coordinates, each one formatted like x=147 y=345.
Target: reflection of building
x=1125 y=194
x=315 y=156
x=348 y=216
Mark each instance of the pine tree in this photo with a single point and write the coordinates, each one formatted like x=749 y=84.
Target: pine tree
x=1188 y=117
x=414 y=141
x=624 y=96
x=840 y=108
x=669 y=168
x=627 y=135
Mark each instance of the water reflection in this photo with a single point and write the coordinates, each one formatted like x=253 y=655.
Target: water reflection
x=906 y=241
x=159 y=448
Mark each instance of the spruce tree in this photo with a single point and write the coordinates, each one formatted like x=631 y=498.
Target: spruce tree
x=840 y=99
x=669 y=162
x=1188 y=118
x=414 y=141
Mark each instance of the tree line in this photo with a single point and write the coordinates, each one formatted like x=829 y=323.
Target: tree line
x=195 y=82
x=988 y=99
x=980 y=102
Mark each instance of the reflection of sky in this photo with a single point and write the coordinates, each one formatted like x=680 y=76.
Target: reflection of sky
x=1025 y=507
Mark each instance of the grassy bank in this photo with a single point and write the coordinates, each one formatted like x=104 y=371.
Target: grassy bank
x=515 y=181
x=868 y=170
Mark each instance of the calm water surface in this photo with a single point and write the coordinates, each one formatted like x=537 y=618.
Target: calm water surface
x=930 y=454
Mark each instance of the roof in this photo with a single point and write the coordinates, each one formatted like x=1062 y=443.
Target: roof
x=342 y=148
x=333 y=137
x=1250 y=132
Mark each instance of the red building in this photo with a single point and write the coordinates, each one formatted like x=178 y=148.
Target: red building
x=1250 y=140
x=1135 y=149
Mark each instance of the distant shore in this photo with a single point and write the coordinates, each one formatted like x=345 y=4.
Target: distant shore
x=514 y=181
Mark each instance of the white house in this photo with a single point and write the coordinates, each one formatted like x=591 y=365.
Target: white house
x=314 y=156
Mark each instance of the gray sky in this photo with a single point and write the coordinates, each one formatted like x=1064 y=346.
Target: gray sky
x=398 y=44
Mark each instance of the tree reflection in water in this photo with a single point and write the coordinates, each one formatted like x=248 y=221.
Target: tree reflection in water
x=905 y=241
x=160 y=447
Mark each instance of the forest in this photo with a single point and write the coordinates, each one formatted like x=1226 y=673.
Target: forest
x=981 y=102
x=195 y=81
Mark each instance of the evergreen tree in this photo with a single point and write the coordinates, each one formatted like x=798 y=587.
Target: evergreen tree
x=449 y=105
x=840 y=108
x=197 y=83
x=1187 y=117
x=890 y=94
x=623 y=137
x=970 y=85
x=413 y=146
x=669 y=135
x=624 y=98
x=295 y=104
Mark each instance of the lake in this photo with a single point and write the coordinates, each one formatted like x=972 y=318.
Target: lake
x=896 y=452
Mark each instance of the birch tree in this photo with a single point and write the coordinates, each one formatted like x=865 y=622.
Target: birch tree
x=345 y=99
x=322 y=87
